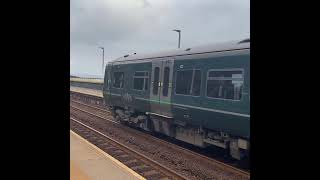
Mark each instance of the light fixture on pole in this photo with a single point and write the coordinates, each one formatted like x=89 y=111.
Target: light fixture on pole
x=102 y=59
x=179 y=31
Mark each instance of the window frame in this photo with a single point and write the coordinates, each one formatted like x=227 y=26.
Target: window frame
x=115 y=79
x=144 y=80
x=156 y=84
x=192 y=81
x=228 y=69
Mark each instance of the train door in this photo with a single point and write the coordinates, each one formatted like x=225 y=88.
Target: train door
x=161 y=87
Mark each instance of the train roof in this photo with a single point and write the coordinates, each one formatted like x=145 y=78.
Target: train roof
x=218 y=47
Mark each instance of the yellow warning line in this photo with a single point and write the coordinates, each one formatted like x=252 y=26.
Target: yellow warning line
x=118 y=163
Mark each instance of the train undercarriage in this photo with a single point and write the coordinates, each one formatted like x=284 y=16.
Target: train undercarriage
x=238 y=148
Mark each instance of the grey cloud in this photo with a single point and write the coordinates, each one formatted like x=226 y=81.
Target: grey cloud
x=128 y=26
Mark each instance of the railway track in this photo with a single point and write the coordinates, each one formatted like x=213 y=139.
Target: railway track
x=138 y=162
x=105 y=115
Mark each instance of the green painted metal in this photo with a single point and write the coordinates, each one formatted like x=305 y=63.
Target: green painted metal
x=140 y=101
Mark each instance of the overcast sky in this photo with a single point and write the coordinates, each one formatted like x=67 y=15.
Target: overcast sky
x=127 y=26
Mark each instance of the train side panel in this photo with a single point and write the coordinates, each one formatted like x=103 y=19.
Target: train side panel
x=232 y=116
x=216 y=114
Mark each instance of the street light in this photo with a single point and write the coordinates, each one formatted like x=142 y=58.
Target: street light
x=102 y=59
x=179 y=31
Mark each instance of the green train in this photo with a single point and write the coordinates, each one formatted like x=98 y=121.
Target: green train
x=198 y=95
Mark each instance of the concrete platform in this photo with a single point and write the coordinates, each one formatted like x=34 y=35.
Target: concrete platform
x=92 y=92
x=97 y=81
x=88 y=162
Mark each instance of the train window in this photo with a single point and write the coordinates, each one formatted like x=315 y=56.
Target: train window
x=166 y=81
x=140 y=73
x=140 y=80
x=109 y=80
x=118 y=79
x=196 y=83
x=138 y=83
x=105 y=82
x=183 y=82
x=225 y=84
x=146 y=84
x=156 y=80
x=188 y=82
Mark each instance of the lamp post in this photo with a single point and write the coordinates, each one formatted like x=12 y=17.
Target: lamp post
x=102 y=59
x=179 y=31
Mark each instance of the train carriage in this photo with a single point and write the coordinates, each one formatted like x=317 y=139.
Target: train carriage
x=198 y=95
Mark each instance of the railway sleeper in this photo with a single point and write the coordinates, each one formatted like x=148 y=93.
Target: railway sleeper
x=140 y=167
x=132 y=163
x=151 y=173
